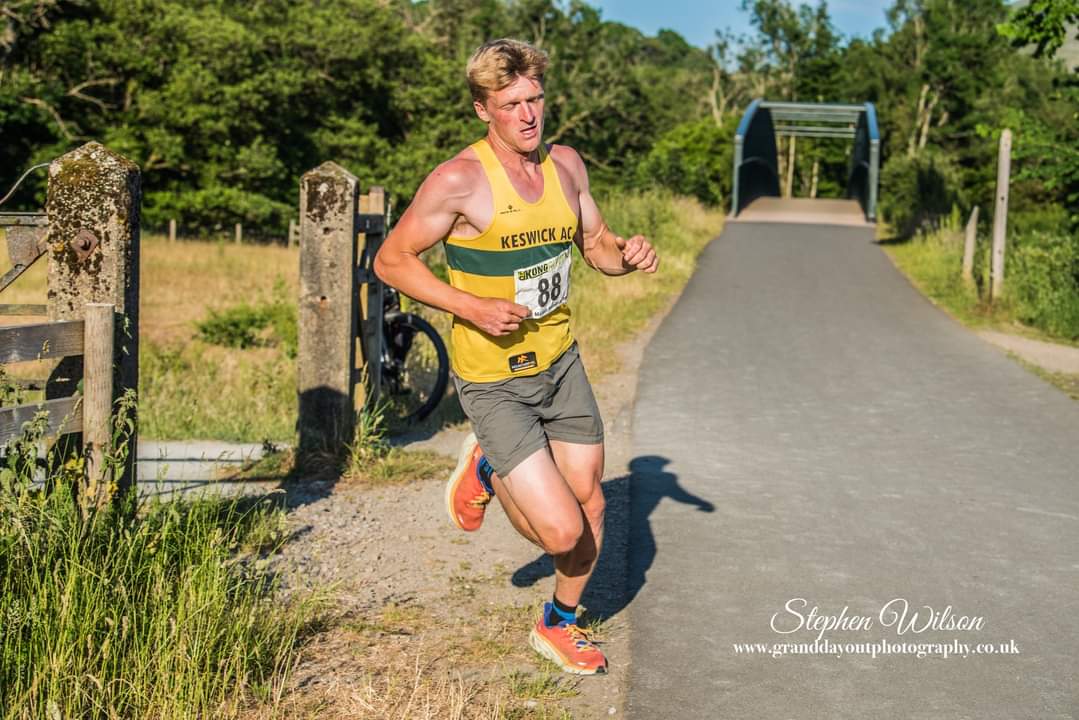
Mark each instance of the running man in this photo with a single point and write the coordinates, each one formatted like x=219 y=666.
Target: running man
x=508 y=209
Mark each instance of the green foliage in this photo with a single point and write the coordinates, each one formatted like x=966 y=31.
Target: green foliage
x=236 y=326
x=225 y=104
x=692 y=159
x=916 y=192
x=1042 y=23
x=1042 y=282
x=1041 y=276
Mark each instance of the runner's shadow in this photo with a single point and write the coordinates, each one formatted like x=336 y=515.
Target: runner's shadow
x=629 y=548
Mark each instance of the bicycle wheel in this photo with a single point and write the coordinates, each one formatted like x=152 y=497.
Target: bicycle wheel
x=415 y=366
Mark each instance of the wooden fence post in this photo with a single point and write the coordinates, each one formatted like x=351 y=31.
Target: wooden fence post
x=369 y=344
x=97 y=396
x=239 y=233
x=970 y=238
x=328 y=308
x=1000 y=215
x=291 y=241
x=93 y=206
x=172 y=230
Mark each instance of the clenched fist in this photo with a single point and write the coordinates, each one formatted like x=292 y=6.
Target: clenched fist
x=497 y=317
x=638 y=253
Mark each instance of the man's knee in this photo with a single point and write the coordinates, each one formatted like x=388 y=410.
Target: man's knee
x=595 y=506
x=564 y=536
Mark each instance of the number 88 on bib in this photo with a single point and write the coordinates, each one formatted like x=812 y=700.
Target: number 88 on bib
x=543 y=287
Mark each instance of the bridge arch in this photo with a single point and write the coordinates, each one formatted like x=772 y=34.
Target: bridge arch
x=756 y=162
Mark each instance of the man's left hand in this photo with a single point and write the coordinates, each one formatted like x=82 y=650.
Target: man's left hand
x=638 y=253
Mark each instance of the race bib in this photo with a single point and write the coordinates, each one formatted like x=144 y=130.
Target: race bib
x=543 y=287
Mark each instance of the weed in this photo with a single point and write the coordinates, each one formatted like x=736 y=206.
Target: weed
x=245 y=326
x=371 y=459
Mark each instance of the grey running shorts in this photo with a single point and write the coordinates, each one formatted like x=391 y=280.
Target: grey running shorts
x=515 y=417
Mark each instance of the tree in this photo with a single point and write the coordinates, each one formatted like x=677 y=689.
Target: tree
x=1043 y=24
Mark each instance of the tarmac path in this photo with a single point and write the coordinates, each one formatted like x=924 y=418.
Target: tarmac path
x=808 y=426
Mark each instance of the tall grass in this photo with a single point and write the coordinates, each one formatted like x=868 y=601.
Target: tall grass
x=1041 y=278
x=158 y=611
x=198 y=390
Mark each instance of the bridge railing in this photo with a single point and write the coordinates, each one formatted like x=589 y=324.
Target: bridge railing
x=865 y=163
x=756 y=173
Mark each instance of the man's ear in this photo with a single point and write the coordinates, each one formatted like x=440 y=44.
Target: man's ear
x=481 y=111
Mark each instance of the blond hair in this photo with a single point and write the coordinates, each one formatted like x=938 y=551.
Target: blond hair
x=496 y=64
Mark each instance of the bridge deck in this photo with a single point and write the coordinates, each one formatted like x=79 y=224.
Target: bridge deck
x=804 y=210
x=808 y=426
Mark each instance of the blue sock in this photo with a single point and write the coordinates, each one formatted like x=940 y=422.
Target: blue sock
x=556 y=612
x=484 y=471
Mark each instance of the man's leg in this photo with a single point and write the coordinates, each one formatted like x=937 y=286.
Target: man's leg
x=557 y=519
x=582 y=468
x=554 y=499
x=540 y=503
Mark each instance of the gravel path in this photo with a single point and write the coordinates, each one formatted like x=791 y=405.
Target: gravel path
x=395 y=545
x=1053 y=357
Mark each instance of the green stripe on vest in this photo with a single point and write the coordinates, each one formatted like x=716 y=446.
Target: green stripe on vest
x=499 y=263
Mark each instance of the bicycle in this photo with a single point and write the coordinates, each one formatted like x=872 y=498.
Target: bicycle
x=415 y=364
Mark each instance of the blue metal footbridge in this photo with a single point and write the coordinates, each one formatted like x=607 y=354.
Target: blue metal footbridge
x=756 y=161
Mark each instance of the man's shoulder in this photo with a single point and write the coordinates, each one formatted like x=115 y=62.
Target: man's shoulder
x=569 y=160
x=457 y=175
x=565 y=155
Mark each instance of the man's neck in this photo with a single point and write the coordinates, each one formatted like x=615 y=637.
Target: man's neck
x=512 y=157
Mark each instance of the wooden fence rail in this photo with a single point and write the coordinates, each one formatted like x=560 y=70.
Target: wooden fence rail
x=91 y=338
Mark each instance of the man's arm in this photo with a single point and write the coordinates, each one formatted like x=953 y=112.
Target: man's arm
x=430 y=218
x=601 y=248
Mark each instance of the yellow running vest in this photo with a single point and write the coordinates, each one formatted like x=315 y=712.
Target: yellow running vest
x=523 y=256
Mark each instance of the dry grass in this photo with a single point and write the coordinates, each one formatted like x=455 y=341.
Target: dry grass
x=406 y=661
x=179 y=282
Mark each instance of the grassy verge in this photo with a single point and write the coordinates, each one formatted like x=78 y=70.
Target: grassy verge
x=1041 y=297
x=162 y=611
x=1041 y=285
x=608 y=311
x=404 y=666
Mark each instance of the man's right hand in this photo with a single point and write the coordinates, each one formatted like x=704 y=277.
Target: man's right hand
x=497 y=317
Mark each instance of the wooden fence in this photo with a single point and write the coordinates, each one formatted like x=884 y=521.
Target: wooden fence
x=90 y=235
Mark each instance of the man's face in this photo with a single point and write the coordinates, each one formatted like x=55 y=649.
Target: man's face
x=515 y=113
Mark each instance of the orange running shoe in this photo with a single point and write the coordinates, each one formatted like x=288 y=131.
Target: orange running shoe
x=567 y=645
x=466 y=495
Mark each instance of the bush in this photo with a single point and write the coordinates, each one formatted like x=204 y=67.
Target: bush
x=692 y=159
x=917 y=192
x=1041 y=279
x=245 y=326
